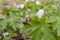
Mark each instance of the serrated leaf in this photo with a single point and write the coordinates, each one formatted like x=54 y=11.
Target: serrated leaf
x=36 y=33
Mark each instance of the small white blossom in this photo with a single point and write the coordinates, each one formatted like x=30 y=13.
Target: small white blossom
x=26 y=0
x=27 y=15
x=40 y=13
x=37 y=2
x=22 y=6
x=5 y=34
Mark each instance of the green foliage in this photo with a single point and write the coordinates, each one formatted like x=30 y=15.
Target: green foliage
x=45 y=28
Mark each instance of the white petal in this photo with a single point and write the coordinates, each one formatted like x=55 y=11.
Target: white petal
x=27 y=15
x=40 y=13
x=37 y=2
x=5 y=34
x=22 y=6
x=26 y=0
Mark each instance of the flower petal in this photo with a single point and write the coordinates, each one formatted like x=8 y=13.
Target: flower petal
x=40 y=13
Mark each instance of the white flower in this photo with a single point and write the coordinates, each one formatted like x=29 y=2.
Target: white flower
x=26 y=0
x=27 y=15
x=37 y=2
x=5 y=34
x=22 y=6
x=40 y=13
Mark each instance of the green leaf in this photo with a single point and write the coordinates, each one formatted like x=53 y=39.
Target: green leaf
x=58 y=26
x=47 y=34
x=3 y=24
x=51 y=19
x=36 y=33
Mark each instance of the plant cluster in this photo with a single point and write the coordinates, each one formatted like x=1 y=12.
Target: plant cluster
x=31 y=20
